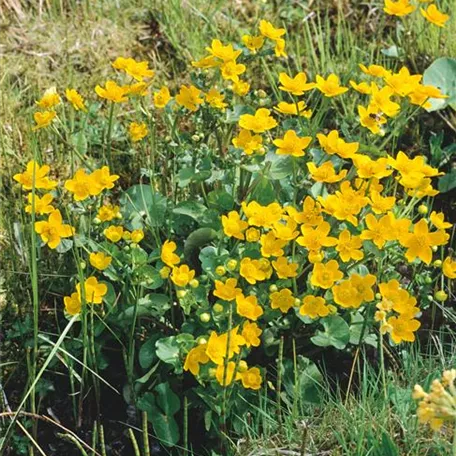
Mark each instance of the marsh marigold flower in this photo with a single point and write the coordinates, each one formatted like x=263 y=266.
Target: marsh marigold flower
x=194 y=358
x=162 y=97
x=402 y=328
x=253 y=43
x=233 y=226
x=182 y=275
x=449 y=268
x=50 y=99
x=248 y=307
x=93 y=290
x=35 y=175
x=112 y=92
x=314 y=307
x=398 y=8
x=231 y=70
x=284 y=269
x=72 y=304
x=438 y=220
x=297 y=85
x=251 y=378
x=137 y=131
x=292 y=144
x=218 y=348
x=330 y=87
x=225 y=374
x=403 y=83
x=225 y=53
x=135 y=69
x=227 y=291
x=189 y=97
x=53 y=229
x=259 y=122
x=82 y=185
x=434 y=16
x=41 y=205
x=215 y=99
x=271 y=246
x=293 y=109
x=283 y=300
x=269 y=31
x=373 y=70
x=108 y=212
x=240 y=88
x=76 y=100
x=251 y=271
x=114 y=233
x=325 y=172
x=167 y=254
x=247 y=142
x=43 y=119
x=251 y=334
x=349 y=247
x=333 y=144
x=371 y=119
x=324 y=275
x=99 y=260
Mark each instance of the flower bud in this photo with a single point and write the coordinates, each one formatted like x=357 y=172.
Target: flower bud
x=242 y=366
x=437 y=264
x=273 y=289
x=201 y=340
x=435 y=248
x=205 y=317
x=195 y=138
x=165 y=272
x=194 y=283
x=218 y=308
x=96 y=221
x=181 y=293
x=428 y=280
x=378 y=296
x=261 y=93
x=440 y=296
x=260 y=151
x=82 y=265
x=220 y=270
x=422 y=209
x=231 y=265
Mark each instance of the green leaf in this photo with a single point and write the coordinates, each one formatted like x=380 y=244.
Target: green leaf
x=168 y=352
x=281 y=166
x=140 y=203
x=165 y=428
x=191 y=209
x=442 y=74
x=336 y=333
x=447 y=182
x=356 y=329
x=147 y=354
x=167 y=400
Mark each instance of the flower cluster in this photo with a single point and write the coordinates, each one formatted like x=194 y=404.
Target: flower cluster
x=401 y=8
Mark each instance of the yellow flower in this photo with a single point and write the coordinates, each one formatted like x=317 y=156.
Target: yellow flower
x=419 y=243
x=380 y=101
x=137 y=236
x=297 y=85
x=72 y=304
x=283 y=300
x=251 y=271
x=311 y=213
x=269 y=31
x=215 y=99
x=218 y=348
x=371 y=119
x=363 y=286
x=438 y=220
x=362 y=87
x=403 y=328
x=206 y=62
x=292 y=144
x=138 y=88
x=233 y=226
x=93 y=291
x=108 y=212
x=102 y=179
x=227 y=291
x=449 y=268
x=100 y=260
x=137 y=70
x=137 y=131
x=252 y=235
x=330 y=87
x=381 y=204
x=325 y=173
x=313 y=239
x=247 y=142
x=53 y=230
x=251 y=334
x=253 y=43
x=167 y=254
x=225 y=374
x=292 y=109
x=114 y=233
x=422 y=94
x=225 y=53
x=313 y=307
x=433 y=15
x=189 y=97
x=194 y=358
x=42 y=205
x=35 y=175
x=349 y=247
x=324 y=275
x=285 y=270
x=345 y=295
x=279 y=49
x=112 y=92
x=366 y=168
x=403 y=83
x=50 y=99
x=75 y=99
x=378 y=230
x=260 y=122
x=162 y=97
x=333 y=144
x=286 y=231
x=251 y=379
x=248 y=307
x=271 y=246
x=231 y=70
x=264 y=216
x=43 y=119
x=182 y=275
x=399 y=8
x=241 y=88
x=82 y=186
x=373 y=70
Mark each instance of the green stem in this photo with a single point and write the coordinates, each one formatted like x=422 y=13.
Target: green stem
x=108 y=137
